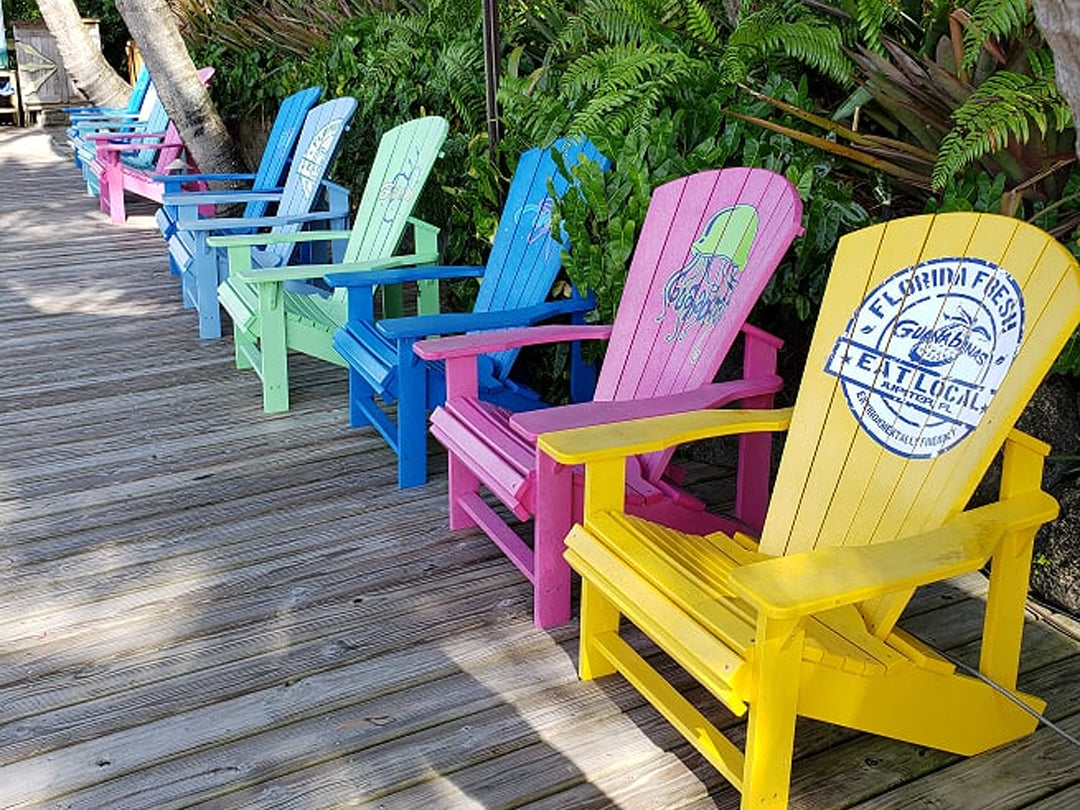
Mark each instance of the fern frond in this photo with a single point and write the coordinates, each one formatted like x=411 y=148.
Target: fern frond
x=993 y=18
x=1001 y=109
x=872 y=17
x=814 y=44
x=699 y=23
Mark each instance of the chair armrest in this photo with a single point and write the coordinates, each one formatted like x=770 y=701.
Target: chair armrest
x=813 y=581
x=447 y=323
x=102 y=148
x=531 y=424
x=206 y=178
x=445 y=348
x=115 y=137
x=427 y=272
x=621 y=439
x=179 y=198
x=300 y=272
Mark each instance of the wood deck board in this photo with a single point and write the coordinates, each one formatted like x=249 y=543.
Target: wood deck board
x=210 y=606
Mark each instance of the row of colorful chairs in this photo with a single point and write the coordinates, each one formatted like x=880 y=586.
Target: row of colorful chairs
x=932 y=335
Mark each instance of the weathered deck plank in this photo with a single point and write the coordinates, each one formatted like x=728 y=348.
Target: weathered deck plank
x=206 y=605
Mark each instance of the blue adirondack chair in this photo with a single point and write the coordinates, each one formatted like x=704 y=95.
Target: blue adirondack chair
x=306 y=198
x=202 y=268
x=130 y=111
x=271 y=316
x=138 y=153
x=524 y=261
x=81 y=130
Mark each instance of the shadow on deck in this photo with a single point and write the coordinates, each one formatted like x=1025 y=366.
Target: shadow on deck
x=207 y=605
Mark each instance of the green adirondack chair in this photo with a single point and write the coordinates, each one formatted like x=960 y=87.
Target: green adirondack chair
x=278 y=309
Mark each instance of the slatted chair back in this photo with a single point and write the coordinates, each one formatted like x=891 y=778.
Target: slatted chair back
x=404 y=159
x=132 y=108
x=315 y=150
x=280 y=145
x=709 y=245
x=933 y=334
x=156 y=121
x=525 y=255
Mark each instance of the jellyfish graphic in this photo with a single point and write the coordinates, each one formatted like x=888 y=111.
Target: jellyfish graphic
x=699 y=292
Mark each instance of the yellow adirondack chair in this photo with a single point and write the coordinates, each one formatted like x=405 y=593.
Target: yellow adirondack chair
x=932 y=336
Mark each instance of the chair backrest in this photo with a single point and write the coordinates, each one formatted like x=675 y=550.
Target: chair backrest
x=149 y=101
x=933 y=334
x=403 y=161
x=316 y=148
x=525 y=256
x=138 y=91
x=709 y=245
x=158 y=121
x=280 y=144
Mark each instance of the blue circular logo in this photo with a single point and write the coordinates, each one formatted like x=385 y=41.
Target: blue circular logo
x=923 y=356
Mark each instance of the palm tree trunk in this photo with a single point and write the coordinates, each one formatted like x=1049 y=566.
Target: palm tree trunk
x=82 y=59
x=1059 y=21
x=154 y=27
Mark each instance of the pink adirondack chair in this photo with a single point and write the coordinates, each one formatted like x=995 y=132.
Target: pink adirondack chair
x=149 y=155
x=709 y=245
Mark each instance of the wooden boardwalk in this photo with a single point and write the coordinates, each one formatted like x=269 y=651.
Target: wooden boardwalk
x=207 y=606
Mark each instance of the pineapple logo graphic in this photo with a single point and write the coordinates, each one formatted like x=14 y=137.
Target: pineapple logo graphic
x=923 y=355
x=942 y=345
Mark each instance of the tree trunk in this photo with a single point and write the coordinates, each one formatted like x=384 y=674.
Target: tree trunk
x=82 y=59
x=1059 y=21
x=155 y=29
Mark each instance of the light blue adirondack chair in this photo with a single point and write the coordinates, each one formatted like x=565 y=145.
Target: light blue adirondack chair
x=202 y=268
x=152 y=136
x=271 y=317
x=82 y=117
x=80 y=133
x=524 y=261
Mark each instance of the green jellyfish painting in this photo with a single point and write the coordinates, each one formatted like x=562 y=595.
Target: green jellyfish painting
x=699 y=292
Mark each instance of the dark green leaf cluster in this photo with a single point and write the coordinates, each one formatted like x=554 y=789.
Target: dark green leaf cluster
x=1002 y=109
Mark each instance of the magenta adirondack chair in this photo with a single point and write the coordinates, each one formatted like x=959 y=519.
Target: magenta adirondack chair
x=709 y=245
x=134 y=161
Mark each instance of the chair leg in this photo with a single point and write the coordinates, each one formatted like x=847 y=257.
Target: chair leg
x=112 y=193
x=598 y=615
x=411 y=417
x=273 y=348
x=461 y=481
x=770 y=736
x=360 y=393
x=551 y=572
x=207 y=302
x=244 y=343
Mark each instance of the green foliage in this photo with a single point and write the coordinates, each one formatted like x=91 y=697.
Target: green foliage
x=651 y=82
x=1001 y=109
x=993 y=19
x=970 y=192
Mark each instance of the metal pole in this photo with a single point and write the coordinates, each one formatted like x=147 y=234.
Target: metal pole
x=491 y=73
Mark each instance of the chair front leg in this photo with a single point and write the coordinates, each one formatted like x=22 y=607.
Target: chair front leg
x=206 y=280
x=273 y=347
x=770 y=735
x=553 y=519
x=111 y=190
x=411 y=416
